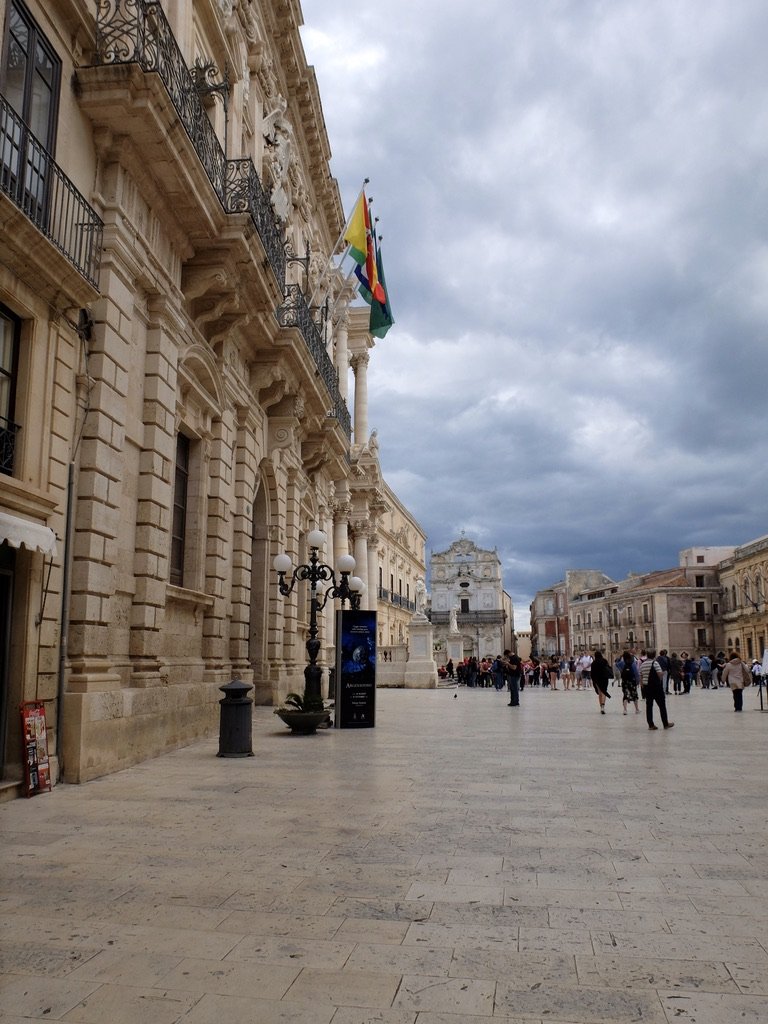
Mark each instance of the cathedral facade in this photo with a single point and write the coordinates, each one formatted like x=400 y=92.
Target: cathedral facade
x=468 y=601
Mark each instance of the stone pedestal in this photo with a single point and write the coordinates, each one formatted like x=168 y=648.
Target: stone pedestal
x=420 y=669
x=455 y=649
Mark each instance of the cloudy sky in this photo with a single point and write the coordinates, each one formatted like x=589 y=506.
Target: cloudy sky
x=573 y=196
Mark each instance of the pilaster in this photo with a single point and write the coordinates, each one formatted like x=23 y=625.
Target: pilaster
x=154 y=496
x=100 y=486
x=246 y=478
x=217 y=550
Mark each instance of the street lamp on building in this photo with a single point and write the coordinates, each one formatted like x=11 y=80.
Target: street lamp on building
x=346 y=588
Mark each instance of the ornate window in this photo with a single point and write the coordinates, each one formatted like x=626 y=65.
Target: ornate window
x=10 y=331
x=179 y=517
x=30 y=74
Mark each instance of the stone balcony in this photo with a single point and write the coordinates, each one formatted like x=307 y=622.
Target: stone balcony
x=52 y=232
x=145 y=104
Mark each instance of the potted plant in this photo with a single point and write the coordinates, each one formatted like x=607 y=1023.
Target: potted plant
x=303 y=712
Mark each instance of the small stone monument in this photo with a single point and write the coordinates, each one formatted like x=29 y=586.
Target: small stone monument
x=420 y=669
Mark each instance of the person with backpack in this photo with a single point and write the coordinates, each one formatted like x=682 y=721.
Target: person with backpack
x=630 y=679
x=652 y=689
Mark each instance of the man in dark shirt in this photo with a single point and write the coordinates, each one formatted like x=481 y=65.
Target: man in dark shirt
x=513 y=670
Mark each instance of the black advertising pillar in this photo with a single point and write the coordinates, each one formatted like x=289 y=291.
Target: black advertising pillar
x=355 y=669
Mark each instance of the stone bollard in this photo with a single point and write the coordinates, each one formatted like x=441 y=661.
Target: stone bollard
x=235 y=721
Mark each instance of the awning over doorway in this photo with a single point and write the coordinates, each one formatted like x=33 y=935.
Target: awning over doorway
x=18 y=532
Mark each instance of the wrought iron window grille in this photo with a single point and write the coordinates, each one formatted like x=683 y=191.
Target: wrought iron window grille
x=8 y=432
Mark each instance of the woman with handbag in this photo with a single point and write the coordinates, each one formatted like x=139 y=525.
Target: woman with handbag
x=737 y=676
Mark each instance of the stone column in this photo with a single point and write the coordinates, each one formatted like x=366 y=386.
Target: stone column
x=100 y=496
x=371 y=597
x=218 y=545
x=154 y=495
x=360 y=367
x=360 y=528
x=292 y=650
x=328 y=614
x=342 y=355
x=341 y=512
x=246 y=476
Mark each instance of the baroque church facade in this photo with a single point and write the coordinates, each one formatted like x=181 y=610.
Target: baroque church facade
x=469 y=603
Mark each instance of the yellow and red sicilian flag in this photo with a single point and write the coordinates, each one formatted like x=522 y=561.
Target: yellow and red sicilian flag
x=359 y=238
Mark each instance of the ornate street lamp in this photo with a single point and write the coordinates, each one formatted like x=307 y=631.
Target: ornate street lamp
x=346 y=588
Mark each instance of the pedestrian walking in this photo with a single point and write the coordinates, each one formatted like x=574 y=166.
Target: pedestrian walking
x=630 y=680
x=737 y=676
x=652 y=689
x=602 y=673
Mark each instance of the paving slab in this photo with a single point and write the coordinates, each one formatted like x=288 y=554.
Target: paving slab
x=463 y=861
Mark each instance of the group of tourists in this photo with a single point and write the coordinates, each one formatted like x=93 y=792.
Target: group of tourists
x=646 y=675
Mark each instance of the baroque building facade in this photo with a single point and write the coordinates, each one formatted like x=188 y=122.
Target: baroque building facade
x=174 y=406
x=674 y=609
x=744 y=583
x=468 y=600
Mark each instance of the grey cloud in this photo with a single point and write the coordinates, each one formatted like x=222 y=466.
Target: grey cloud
x=573 y=199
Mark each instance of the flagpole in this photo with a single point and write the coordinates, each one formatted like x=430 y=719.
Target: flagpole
x=346 y=281
x=339 y=240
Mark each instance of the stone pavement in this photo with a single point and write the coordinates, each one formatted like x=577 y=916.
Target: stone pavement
x=464 y=861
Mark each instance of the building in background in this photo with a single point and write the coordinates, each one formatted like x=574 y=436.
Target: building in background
x=744 y=581
x=550 y=622
x=468 y=599
x=677 y=609
x=523 y=643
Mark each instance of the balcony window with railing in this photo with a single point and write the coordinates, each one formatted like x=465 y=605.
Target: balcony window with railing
x=138 y=32
x=30 y=74
x=10 y=331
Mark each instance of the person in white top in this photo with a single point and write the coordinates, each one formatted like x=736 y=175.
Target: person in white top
x=584 y=671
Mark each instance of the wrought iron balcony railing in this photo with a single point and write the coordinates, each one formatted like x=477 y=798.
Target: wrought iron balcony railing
x=245 y=194
x=476 y=618
x=137 y=32
x=294 y=312
x=8 y=432
x=32 y=179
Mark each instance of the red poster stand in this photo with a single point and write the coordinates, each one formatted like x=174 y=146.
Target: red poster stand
x=37 y=769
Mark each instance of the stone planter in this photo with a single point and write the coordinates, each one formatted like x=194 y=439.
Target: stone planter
x=305 y=722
